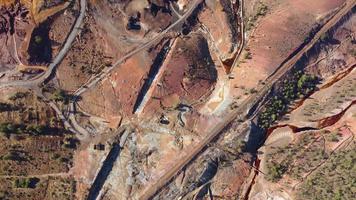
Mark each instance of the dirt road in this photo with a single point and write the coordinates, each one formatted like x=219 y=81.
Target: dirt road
x=51 y=68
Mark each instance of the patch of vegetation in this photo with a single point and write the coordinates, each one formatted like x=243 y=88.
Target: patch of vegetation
x=261 y=11
x=324 y=37
x=247 y=55
x=8 y=128
x=70 y=142
x=14 y=155
x=38 y=39
x=295 y=159
x=253 y=91
x=333 y=136
x=353 y=52
x=18 y=95
x=59 y=95
x=345 y=92
x=32 y=129
x=5 y=107
x=291 y=89
x=60 y=188
x=36 y=188
x=276 y=171
x=335 y=180
x=26 y=182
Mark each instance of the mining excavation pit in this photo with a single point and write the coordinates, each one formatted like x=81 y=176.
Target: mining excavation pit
x=40 y=48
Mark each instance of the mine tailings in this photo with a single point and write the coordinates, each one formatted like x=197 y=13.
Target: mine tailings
x=104 y=171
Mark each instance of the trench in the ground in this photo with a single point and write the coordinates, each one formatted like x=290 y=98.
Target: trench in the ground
x=253 y=181
x=104 y=172
x=152 y=74
x=331 y=120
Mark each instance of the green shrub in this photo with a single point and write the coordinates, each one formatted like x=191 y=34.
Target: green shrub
x=6 y=107
x=12 y=155
x=26 y=182
x=291 y=89
x=248 y=55
x=32 y=129
x=275 y=172
x=38 y=39
x=262 y=9
x=35 y=129
x=59 y=95
x=18 y=95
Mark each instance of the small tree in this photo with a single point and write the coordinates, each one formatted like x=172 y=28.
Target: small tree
x=275 y=172
x=18 y=95
x=5 y=107
x=26 y=182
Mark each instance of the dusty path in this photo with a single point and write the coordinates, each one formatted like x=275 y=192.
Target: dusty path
x=51 y=68
x=34 y=84
x=247 y=104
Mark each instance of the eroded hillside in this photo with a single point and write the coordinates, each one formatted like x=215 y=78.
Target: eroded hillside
x=176 y=99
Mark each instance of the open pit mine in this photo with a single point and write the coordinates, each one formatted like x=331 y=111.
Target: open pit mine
x=177 y=99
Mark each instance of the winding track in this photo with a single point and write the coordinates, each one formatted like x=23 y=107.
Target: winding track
x=74 y=126
x=34 y=83
x=51 y=68
x=246 y=105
